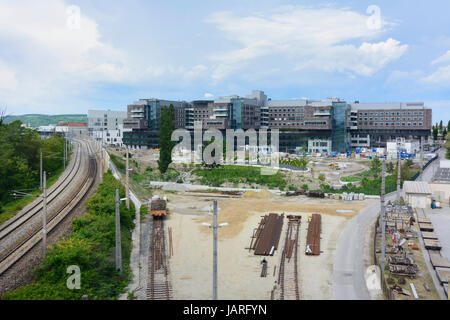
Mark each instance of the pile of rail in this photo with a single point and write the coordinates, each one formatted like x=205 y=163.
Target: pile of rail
x=288 y=271
x=310 y=194
x=265 y=239
x=313 y=236
x=158 y=286
x=403 y=265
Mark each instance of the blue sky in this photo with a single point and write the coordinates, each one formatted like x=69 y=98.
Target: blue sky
x=122 y=51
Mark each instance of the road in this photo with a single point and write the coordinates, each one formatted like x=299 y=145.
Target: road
x=349 y=267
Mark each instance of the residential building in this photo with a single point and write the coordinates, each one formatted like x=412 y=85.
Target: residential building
x=106 y=126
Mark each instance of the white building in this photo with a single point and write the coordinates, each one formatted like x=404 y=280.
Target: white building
x=418 y=194
x=318 y=145
x=106 y=126
x=410 y=147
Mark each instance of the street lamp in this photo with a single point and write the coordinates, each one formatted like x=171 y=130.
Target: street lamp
x=215 y=226
x=18 y=193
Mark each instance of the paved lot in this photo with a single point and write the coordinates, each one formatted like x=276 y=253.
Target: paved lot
x=440 y=218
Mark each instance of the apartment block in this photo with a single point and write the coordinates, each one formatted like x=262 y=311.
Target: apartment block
x=106 y=126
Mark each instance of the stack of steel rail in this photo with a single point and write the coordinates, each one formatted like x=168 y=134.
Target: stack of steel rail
x=268 y=235
x=313 y=236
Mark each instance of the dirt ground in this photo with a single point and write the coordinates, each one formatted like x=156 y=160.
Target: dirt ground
x=239 y=270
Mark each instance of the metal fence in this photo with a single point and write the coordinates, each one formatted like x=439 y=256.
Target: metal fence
x=388 y=294
x=414 y=178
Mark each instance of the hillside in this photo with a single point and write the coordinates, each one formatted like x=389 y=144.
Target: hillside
x=36 y=120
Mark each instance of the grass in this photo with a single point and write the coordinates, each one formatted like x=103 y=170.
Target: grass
x=239 y=174
x=350 y=179
x=10 y=209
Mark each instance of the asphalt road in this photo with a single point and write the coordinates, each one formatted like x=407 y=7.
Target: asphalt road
x=349 y=267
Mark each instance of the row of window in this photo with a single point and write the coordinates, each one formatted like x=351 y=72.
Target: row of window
x=392 y=113
x=393 y=119
x=392 y=124
x=287 y=110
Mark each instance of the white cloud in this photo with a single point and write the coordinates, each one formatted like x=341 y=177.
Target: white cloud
x=319 y=38
x=440 y=76
x=443 y=58
x=208 y=95
x=8 y=79
x=50 y=64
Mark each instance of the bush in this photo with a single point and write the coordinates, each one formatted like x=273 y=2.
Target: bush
x=239 y=174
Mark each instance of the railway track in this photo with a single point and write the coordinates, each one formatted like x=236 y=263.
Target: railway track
x=158 y=284
x=33 y=234
x=288 y=271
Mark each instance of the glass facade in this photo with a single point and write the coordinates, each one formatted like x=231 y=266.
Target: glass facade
x=339 y=122
x=236 y=113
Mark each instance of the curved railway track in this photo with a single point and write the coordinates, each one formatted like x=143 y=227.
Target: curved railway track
x=288 y=271
x=78 y=193
x=158 y=285
x=28 y=212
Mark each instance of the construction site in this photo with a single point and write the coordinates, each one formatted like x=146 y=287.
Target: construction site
x=246 y=241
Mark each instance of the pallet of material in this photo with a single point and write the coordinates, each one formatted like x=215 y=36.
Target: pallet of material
x=399 y=270
x=402 y=260
x=439 y=261
x=429 y=235
x=269 y=236
x=426 y=227
x=443 y=275
x=424 y=220
x=313 y=236
x=432 y=244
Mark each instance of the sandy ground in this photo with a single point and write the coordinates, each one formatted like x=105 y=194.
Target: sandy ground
x=239 y=270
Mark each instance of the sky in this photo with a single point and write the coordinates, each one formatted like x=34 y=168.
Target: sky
x=60 y=57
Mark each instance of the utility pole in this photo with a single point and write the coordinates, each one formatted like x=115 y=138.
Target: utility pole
x=64 y=153
x=40 y=170
x=126 y=183
x=398 y=175
x=383 y=215
x=422 y=141
x=215 y=250
x=118 y=241
x=101 y=163
x=215 y=226
x=44 y=216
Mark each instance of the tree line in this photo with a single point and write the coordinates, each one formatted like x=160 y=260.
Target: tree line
x=19 y=157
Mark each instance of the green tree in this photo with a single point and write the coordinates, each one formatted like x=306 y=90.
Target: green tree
x=435 y=133
x=409 y=163
x=375 y=167
x=390 y=168
x=440 y=126
x=166 y=127
x=305 y=187
x=322 y=177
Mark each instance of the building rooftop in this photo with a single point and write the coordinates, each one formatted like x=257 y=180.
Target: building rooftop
x=388 y=105
x=417 y=187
